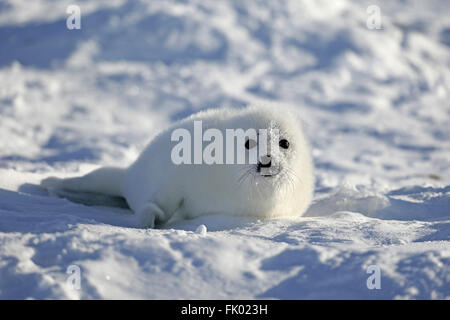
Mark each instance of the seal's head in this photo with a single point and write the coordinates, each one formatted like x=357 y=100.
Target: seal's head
x=282 y=176
x=276 y=178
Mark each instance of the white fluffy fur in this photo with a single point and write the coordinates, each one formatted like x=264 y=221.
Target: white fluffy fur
x=158 y=190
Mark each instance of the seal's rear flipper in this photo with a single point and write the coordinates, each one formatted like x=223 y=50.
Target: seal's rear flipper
x=100 y=187
x=86 y=198
x=94 y=199
x=51 y=184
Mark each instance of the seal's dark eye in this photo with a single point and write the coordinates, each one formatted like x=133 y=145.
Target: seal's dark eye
x=284 y=143
x=249 y=144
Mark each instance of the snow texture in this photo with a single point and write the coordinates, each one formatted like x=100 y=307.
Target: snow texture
x=375 y=103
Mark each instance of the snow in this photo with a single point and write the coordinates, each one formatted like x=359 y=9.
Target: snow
x=375 y=107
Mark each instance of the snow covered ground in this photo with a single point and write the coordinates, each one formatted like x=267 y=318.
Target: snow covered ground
x=376 y=108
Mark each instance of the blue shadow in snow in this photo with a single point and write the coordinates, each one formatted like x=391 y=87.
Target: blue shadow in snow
x=46 y=45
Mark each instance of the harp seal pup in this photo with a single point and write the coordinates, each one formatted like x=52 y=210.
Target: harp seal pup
x=157 y=190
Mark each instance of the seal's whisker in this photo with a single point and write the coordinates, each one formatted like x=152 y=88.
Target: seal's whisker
x=244 y=176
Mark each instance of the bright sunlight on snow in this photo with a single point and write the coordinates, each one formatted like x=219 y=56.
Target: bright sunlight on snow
x=375 y=106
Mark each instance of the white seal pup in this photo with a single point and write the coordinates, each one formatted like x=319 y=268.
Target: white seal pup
x=157 y=188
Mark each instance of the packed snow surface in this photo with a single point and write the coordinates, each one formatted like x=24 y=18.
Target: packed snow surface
x=375 y=103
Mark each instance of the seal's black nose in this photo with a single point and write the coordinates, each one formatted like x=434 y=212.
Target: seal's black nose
x=267 y=162
x=267 y=165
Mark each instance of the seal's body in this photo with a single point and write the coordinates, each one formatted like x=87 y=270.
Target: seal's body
x=157 y=189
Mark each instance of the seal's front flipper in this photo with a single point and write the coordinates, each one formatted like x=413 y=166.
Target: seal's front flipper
x=150 y=215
